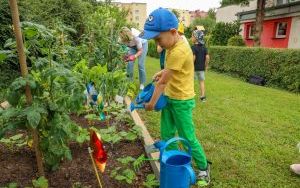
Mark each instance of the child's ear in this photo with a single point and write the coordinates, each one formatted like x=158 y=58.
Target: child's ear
x=174 y=31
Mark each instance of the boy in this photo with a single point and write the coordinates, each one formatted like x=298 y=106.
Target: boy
x=201 y=59
x=177 y=82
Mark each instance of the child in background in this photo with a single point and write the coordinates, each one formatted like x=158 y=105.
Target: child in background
x=138 y=48
x=181 y=33
x=201 y=59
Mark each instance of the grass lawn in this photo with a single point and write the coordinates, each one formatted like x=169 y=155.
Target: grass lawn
x=249 y=132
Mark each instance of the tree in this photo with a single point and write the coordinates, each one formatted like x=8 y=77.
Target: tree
x=71 y=13
x=222 y=32
x=176 y=13
x=212 y=13
x=207 y=22
x=260 y=15
x=234 y=2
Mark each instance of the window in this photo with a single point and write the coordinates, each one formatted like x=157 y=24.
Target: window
x=281 y=2
x=137 y=18
x=251 y=30
x=281 y=30
x=136 y=11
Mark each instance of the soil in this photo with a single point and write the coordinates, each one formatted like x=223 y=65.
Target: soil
x=18 y=165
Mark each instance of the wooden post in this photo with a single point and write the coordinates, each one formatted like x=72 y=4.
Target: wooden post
x=24 y=71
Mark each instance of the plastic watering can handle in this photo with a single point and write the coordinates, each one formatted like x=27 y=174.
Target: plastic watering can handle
x=138 y=106
x=142 y=94
x=175 y=139
x=192 y=173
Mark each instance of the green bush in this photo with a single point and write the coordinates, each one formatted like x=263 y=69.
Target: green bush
x=207 y=40
x=280 y=67
x=5 y=22
x=152 y=49
x=224 y=31
x=236 y=41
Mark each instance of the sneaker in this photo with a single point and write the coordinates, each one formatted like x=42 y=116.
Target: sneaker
x=295 y=168
x=203 y=99
x=204 y=176
x=142 y=87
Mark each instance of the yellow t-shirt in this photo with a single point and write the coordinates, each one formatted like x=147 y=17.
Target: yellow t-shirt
x=180 y=59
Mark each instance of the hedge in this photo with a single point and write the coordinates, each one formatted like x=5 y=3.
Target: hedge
x=280 y=67
x=152 y=49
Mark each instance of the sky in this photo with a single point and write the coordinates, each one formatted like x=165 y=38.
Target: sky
x=177 y=4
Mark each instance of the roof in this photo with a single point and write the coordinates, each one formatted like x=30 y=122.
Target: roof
x=272 y=11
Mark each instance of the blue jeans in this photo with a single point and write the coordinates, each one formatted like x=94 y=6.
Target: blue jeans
x=141 y=64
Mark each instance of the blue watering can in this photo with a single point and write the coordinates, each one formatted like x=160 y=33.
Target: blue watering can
x=145 y=96
x=175 y=165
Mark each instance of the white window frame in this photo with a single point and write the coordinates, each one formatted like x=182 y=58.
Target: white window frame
x=283 y=3
x=277 y=29
x=250 y=27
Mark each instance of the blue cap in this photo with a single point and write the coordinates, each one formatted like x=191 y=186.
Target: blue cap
x=159 y=20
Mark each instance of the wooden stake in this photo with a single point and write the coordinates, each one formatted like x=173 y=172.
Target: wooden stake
x=95 y=168
x=24 y=71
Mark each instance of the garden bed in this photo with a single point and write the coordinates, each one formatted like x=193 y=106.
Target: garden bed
x=18 y=165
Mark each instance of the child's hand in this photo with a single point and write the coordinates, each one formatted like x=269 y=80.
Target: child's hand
x=157 y=76
x=131 y=58
x=149 y=107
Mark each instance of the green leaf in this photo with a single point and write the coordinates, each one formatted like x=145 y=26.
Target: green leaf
x=10 y=43
x=120 y=178
x=14 y=97
x=151 y=177
x=12 y=185
x=91 y=117
x=126 y=160
x=33 y=118
x=5 y=141
x=83 y=136
x=18 y=83
x=130 y=174
x=30 y=32
x=16 y=137
x=11 y=125
x=131 y=136
x=123 y=133
x=4 y=54
x=41 y=182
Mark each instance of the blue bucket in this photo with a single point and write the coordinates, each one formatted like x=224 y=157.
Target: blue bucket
x=175 y=166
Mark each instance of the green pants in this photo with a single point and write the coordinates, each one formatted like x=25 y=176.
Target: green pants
x=177 y=115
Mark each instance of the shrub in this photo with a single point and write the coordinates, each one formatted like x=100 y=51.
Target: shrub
x=280 y=67
x=223 y=31
x=236 y=41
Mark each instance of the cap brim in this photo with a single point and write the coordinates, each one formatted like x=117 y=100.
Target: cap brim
x=150 y=34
